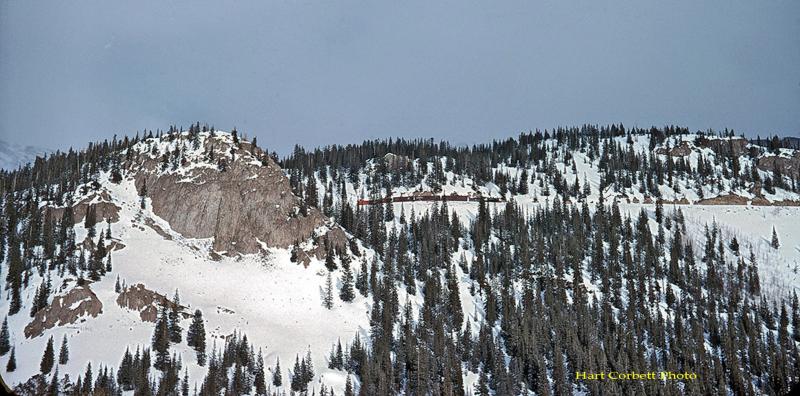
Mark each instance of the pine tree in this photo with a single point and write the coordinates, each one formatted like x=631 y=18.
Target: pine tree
x=48 y=358
x=12 y=361
x=311 y=198
x=109 y=267
x=185 y=383
x=483 y=384
x=259 y=381
x=297 y=376
x=52 y=389
x=175 y=320
x=126 y=372
x=454 y=298
x=348 y=387
x=161 y=340
x=775 y=242
x=330 y=264
x=362 y=280
x=277 y=378
x=63 y=354
x=87 y=380
x=346 y=293
x=5 y=345
x=196 y=337
x=734 y=246
x=327 y=300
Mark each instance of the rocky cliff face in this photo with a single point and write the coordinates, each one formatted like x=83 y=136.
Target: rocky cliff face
x=77 y=303
x=146 y=302
x=788 y=165
x=245 y=207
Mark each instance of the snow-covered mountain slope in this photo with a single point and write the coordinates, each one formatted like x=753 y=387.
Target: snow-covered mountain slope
x=13 y=155
x=277 y=303
x=213 y=217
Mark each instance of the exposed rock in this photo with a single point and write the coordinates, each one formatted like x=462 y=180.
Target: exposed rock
x=104 y=208
x=680 y=150
x=682 y=201
x=114 y=245
x=787 y=165
x=160 y=231
x=78 y=302
x=724 y=147
x=246 y=204
x=147 y=302
x=395 y=162
x=760 y=201
x=724 y=200
x=786 y=203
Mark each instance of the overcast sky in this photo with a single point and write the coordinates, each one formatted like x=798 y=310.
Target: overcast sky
x=316 y=73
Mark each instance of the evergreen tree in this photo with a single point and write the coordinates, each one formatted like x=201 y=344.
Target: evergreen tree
x=5 y=345
x=196 y=337
x=330 y=264
x=185 y=383
x=311 y=198
x=48 y=358
x=297 y=384
x=348 y=387
x=346 y=293
x=87 y=380
x=175 y=320
x=259 y=380
x=775 y=242
x=454 y=299
x=12 y=361
x=327 y=300
x=53 y=388
x=161 y=340
x=63 y=354
x=277 y=378
x=362 y=280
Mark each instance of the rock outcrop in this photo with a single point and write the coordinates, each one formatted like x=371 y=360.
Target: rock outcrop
x=786 y=165
x=725 y=147
x=729 y=199
x=245 y=207
x=77 y=303
x=146 y=302
x=105 y=209
x=680 y=150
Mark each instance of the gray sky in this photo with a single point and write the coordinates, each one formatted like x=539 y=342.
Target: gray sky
x=325 y=72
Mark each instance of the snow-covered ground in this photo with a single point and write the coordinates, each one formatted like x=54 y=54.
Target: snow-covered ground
x=276 y=303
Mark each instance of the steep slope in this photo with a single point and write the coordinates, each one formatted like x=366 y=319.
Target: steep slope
x=228 y=259
x=244 y=208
